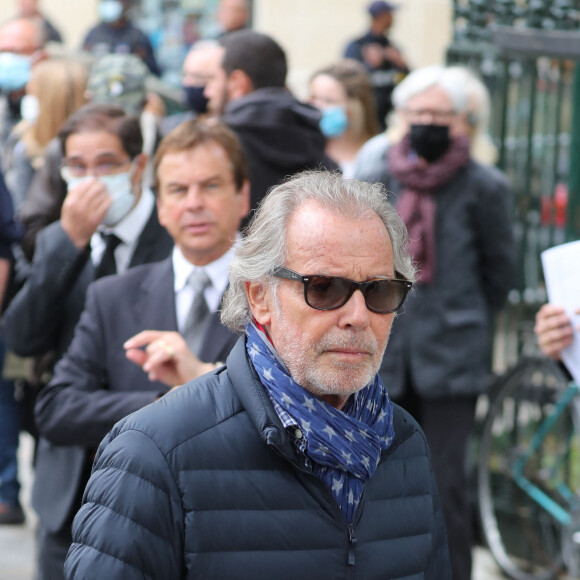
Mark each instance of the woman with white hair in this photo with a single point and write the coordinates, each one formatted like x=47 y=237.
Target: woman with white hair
x=457 y=214
x=371 y=158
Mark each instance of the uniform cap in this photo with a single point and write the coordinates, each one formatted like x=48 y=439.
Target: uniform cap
x=119 y=79
x=380 y=7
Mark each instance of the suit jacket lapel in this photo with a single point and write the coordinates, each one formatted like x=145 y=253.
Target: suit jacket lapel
x=155 y=304
x=218 y=339
x=154 y=242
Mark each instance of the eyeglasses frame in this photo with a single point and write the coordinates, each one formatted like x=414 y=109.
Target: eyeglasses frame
x=66 y=173
x=288 y=274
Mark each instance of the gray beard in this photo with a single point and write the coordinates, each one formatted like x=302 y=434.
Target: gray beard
x=343 y=378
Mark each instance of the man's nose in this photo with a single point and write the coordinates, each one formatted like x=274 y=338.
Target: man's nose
x=426 y=118
x=355 y=311
x=194 y=197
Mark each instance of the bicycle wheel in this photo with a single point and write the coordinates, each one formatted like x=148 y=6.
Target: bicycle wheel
x=523 y=537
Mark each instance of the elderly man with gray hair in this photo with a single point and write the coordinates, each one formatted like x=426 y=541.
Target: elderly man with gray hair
x=290 y=461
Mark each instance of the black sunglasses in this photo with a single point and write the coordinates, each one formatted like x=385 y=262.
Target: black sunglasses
x=382 y=295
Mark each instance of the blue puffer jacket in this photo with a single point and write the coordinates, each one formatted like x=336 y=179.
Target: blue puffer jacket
x=206 y=484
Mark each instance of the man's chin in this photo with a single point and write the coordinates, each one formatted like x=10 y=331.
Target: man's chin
x=341 y=383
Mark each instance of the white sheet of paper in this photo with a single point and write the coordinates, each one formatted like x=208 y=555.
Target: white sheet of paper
x=562 y=274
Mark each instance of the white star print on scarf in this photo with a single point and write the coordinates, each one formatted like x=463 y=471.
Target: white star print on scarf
x=345 y=446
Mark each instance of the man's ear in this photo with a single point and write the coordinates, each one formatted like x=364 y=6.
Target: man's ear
x=239 y=85
x=260 y=304
x=160 y=210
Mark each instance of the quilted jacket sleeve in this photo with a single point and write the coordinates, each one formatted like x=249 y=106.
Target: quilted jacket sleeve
x=439 y=566
x=130 y=525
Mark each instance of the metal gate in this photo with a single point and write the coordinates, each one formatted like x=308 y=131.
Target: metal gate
x=527 y=53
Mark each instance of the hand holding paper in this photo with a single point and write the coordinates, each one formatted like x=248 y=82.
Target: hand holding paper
x=558 y=327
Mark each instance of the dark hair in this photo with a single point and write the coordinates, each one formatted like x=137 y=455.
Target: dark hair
x=194 y=133
x=109 y=118
x=258 y=55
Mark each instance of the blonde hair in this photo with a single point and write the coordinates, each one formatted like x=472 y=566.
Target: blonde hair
x=59 y=85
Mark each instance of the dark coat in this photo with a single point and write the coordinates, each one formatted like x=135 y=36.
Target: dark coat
x=280 y=137
x=44 y=199
x=42 y=316
x=11 y=231
x=40 y=321
x=442 y=341
x=105 y=38
x=206 y=483
x=95 y=385
x=383 y=78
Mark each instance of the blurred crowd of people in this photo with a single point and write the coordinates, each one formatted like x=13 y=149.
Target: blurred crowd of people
x=112 y=274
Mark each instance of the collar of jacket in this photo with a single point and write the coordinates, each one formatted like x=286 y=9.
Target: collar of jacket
x=256 y=402
x=276 y=99
x=259 y=408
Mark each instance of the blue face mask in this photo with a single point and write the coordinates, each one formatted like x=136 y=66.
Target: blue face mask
x=334 y=121
x=14 y=71
x=196 y=100
x=110 y=10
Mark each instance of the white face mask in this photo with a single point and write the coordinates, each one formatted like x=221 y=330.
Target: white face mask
x=29 y=108
x=74 y=181
x=120 y=189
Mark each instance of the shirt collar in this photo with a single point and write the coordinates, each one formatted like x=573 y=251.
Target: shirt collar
x=218 y=270
x=131 y=226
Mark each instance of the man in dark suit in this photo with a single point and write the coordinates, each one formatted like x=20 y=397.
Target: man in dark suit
x=107 y=373
x=108 y=223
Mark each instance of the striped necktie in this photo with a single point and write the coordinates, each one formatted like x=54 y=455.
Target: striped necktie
x=198 y=315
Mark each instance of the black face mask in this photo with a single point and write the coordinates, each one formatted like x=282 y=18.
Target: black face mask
x=430 y=141
x=196 y=100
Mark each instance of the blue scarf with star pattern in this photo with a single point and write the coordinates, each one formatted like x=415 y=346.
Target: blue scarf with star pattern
x=344 y=446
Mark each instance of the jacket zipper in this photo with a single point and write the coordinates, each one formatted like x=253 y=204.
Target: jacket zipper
x=352 y=540
x=351 y=559
x=351 y=546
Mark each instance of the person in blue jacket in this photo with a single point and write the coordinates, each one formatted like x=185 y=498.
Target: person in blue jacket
x=290 y=461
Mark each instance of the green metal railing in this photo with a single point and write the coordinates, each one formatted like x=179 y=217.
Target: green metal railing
x=526 y=53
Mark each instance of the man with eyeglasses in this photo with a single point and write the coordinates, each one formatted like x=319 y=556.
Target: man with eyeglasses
x=108 y=223
x=290 y=461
